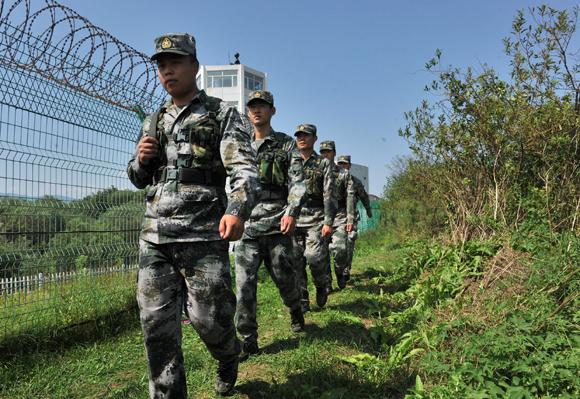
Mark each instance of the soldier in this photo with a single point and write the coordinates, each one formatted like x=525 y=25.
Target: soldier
x=183 y=153
x=314 y=226
x=268 y=231
x=344 y=162
x=344 y=219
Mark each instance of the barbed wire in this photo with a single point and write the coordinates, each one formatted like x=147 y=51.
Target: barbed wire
x=61 y=45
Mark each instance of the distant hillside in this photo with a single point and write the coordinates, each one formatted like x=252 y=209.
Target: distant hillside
x=59 y=197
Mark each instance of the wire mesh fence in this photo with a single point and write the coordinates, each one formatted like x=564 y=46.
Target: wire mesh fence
x=72 y=99
x=365 y=223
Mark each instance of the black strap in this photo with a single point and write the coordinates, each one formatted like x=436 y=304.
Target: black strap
x=273 y=195
x=315 y=203
x=153 y=126
x=190 y=175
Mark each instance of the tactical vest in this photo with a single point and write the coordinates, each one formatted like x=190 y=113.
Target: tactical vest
x=340 y=188
x=204 y=164
x=315 y=184
x=274 y=170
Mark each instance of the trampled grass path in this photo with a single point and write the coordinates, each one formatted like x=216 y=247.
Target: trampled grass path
x=291 y=365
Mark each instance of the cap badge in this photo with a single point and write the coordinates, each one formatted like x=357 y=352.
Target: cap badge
x=301 y=127
x=257 y=95
x=166 y=43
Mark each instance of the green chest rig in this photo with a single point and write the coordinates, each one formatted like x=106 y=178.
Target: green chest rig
x=340 y=187
x=315 y=184
x=273 y=165
x=203 y=165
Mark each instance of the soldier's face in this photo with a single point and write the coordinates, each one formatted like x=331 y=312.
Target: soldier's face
x=260 y=113
x=305 y=141
x=328 y=154
x=177 y=76
x=345 y=165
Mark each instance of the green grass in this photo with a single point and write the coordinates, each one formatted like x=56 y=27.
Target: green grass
x=418 y=319
x=110 y=361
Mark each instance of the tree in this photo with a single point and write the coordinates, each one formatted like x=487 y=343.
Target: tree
x=493 y=149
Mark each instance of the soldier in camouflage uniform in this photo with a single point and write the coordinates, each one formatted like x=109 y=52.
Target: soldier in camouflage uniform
x=268 y=231
x=344 y=220
x=314 y=226
x=183 y=154
x=344 y=162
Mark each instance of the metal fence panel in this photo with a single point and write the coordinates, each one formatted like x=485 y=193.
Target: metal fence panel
x=365 y=223
x=69 y=217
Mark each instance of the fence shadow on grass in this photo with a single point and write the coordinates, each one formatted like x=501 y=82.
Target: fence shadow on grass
x=24 y=347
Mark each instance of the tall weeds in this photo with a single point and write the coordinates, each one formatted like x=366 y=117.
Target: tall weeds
x=495 y=152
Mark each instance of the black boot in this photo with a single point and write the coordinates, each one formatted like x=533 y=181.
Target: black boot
x=249 y=348
x=297 y=320
x=321 y=296
x=227 y=374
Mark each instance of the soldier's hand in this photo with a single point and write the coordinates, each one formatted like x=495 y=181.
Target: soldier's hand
x=231 y=227
x=349 y=228
x=327 y=231
x=288 y=225
x=148 y=149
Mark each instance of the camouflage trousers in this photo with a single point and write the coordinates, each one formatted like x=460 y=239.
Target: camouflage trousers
x=352 y=236
x=196 y=274
x=312 y=249
x=277 y=253
x=339 y=246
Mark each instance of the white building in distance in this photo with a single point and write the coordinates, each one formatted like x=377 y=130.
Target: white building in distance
x=233 y=83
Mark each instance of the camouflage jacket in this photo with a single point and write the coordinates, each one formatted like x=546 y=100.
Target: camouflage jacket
x=187 y=212
x=320 y=183
x=361 y=195
x=267 y=214
x=345 y=196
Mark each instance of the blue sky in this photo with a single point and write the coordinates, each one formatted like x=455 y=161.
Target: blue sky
x=350 y=68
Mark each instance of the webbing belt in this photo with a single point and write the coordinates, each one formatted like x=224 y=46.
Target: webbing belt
x=190 y=175
x=273 y=195
x=315 y=203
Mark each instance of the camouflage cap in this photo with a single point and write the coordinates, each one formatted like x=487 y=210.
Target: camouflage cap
x=176 y=43
x=306 y=128
x=261 y=95
x=343 y=159
x=327 y=145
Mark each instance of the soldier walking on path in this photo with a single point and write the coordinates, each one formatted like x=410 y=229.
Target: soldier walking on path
x=314 y=226
x=343 y=221
x=184 y=153
x=344 y=162
x=268 y=232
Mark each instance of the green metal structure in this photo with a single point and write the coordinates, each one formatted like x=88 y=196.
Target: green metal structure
x=72 y=99
x=366 y=223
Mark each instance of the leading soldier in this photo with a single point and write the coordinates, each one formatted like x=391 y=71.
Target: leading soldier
x=314 y=226
x=184 y=153
x=268 y=231
x=344 y=162
x=344 y=220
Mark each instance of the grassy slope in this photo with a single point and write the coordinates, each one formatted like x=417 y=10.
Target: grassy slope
x=305 y=365
x=475 y=320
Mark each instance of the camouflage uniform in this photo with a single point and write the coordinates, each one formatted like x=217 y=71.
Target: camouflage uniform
x=361 y=195
x=345 y=215
x=182 y=256
x=310 y=247
x=283 y=194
